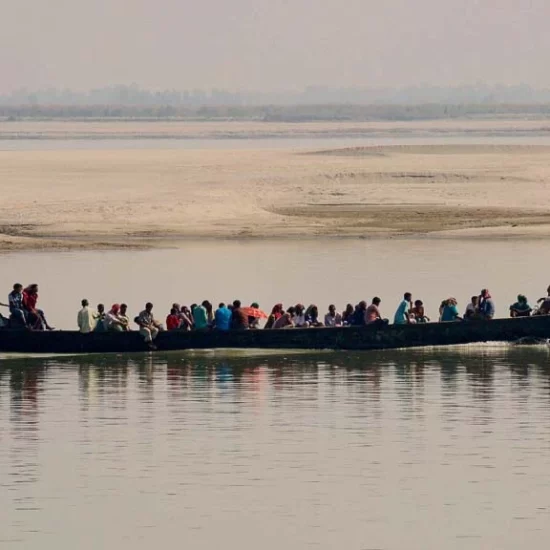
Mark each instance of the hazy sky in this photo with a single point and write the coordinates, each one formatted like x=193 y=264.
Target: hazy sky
x=272 y=44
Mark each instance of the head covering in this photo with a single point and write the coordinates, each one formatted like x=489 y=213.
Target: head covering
x=115 y=308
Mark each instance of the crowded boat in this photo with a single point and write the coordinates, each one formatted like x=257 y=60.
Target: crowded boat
x=24 y=313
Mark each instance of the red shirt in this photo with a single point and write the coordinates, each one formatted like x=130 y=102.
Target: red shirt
x=172 y=322
x=29 y=300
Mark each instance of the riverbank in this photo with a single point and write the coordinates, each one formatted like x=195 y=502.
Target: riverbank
x=101 y=199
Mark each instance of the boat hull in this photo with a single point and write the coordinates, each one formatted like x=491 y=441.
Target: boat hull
x=345 y=338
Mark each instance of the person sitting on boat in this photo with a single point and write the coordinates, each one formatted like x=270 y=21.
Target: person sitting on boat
x=86 y=318
x=472 y=309
x=123 y=317
x=347 y=315
x=239 y=319
x=333 y=319
x=521 y=308
x=359 y=315
x=486 y=305
x=402 y=314
x=222 y=317
x=99 y=317
x=35 y=317
x=544 y=304
x=209 y=312
x=419 y=312
x=149 y=327
x=300 y=320
x=450 y=311
x=254 y=322
x=173 y=320
x=200 y=316
x=186 y=317
x=373 y=315
x=111 y=321
x=284 y=321
x=276 y=313
x=312 y=316
x=18 y=317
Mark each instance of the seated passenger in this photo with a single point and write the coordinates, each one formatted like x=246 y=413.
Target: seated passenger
x=276 y=312
x=544 y=304
x=18 y=317
x=419 y=313
x=254 y=322
x=85 y=318
x=35 y=317
x=486 y=305
x=111 y=321
x=521 y=308
x=284 y=321
x=402 y=314
x=149 y=327
x=312 y=316
x=222 y=318
x=99 y=317
x=300 y=320
x=333 y=319
x=450 y=311
x=347 y=315
x=239 y=319
x=472 y=309
x=359 y=315
x=200 y=316
x=123 y=317
x=372 y=314
x=173 y=321
x=186 y=318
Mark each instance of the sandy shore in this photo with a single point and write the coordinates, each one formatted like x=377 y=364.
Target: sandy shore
x=121 y=198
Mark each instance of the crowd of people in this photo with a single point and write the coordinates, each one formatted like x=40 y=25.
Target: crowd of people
x=24 y=313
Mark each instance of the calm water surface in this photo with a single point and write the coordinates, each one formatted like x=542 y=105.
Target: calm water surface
x=394 y=450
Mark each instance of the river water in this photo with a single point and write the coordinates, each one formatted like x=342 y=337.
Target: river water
x=415 y=449
x=405 y=449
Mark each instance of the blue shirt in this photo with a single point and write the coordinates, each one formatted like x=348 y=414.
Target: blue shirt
x=487 y=307
x=400 y=317
x=450 y=313
x=223 y=318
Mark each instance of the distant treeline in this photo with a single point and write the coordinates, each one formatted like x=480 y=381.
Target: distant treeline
x=274 y=113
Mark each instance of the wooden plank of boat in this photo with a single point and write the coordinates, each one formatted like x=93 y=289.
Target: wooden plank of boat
x=345 y=338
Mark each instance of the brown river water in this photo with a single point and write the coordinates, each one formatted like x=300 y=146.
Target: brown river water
x=417 y=449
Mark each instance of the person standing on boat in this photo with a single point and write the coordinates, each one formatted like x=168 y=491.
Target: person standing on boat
x=86 y=318
x=15 y=303
x=402 y=316
x=486 y=305
x=149 y=327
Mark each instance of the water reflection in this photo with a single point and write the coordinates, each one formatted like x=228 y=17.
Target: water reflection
x=382 y=444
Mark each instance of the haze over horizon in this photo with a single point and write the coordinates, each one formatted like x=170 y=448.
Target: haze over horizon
x=267 y=46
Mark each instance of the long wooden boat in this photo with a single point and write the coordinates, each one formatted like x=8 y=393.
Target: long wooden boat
x=340 y=338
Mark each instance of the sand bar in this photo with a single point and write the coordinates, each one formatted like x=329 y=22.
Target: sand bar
x=135 y=198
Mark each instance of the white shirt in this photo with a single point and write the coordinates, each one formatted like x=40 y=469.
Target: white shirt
x=86 y=320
